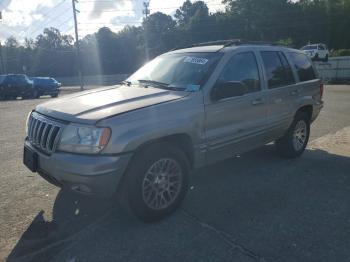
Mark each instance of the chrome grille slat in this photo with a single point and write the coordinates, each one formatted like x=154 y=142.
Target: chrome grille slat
x=35 y=130
x=48 y=137
x=44 y=133
x=31 y=126
x=55 y=142
x=52 y=138
x=37 y=135
x=32 y=120
x=42 y=144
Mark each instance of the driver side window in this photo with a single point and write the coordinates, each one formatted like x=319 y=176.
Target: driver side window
x=242 y=68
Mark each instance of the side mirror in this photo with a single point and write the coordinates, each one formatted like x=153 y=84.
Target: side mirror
x=228 y=89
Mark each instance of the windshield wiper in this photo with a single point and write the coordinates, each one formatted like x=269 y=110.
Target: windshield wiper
x=152 y=82
x=128 y=83
x=160 y=84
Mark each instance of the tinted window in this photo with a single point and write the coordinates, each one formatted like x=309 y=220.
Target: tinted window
x=278 y=71
x=320 y=47
x=303 y=66
x=20 y=79
x=287 y=68
x=242 y=68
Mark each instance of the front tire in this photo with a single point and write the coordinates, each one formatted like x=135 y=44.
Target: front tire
x=294 y=142
x=157 y=182
x=326 y=58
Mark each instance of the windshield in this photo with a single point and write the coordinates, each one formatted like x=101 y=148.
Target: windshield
x=186 y=70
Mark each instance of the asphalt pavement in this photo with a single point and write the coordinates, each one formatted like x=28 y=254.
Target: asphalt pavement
x=253 y=207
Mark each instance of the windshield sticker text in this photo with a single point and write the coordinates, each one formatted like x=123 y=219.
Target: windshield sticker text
x=195 y=60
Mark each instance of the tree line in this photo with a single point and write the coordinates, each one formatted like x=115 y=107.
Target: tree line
x=106 y=52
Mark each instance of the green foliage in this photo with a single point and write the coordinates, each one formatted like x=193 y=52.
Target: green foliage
x=292 y=23
x=287 y=42
x=341 y=52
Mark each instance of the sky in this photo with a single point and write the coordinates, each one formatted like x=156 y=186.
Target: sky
x=28 y=18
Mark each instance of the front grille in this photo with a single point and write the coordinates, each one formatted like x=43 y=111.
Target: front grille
x=44 y=133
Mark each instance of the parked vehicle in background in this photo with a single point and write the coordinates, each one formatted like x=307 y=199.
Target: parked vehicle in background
x=183 y=110
x=317 y=52
x=16 y=85
x=46 y=86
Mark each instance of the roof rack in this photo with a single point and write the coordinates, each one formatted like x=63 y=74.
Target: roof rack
x=230 y=42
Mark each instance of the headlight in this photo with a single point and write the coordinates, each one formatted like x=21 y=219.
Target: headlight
x=84 y=139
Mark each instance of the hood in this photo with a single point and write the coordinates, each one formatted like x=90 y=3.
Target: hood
x=93 y=105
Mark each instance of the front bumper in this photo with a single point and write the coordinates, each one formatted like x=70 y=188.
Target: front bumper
x=95 y=175
x=49 y=91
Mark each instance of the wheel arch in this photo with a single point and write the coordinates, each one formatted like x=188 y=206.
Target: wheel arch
x=181 y=140
x=306 y=109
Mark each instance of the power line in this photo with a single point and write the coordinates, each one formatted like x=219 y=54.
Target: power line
x=41 y=25
x=44 y=21
x=140 y=9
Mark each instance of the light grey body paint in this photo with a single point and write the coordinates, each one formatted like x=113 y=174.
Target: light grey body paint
x=138 y=115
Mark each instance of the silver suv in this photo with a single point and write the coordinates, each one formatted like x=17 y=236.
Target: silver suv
x=183 y=110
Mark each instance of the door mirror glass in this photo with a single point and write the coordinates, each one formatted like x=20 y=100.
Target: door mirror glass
x=228 y=89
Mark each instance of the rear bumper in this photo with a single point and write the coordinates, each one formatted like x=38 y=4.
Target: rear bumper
x=316 y=110
x=95 y=175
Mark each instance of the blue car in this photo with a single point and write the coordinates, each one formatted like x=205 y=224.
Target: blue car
x=46 y=86
x=16 y=85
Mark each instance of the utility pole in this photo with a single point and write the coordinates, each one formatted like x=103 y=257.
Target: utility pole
x=1 y=57
x=78 y=55
x=1 y=61
x=146 y=12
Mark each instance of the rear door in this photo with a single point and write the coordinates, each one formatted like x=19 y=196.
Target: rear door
x=308 y=82
x=282 y=90
x=236 y=124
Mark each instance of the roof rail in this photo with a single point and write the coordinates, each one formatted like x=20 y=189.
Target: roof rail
x=230 y=42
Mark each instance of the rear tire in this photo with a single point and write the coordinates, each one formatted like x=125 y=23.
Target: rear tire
x=294 y=142
x=157 y=182
x=35 y=94
x=54 y=95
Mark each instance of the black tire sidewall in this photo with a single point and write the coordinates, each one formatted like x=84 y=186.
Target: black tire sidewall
x=35 y=94
x=135 y=175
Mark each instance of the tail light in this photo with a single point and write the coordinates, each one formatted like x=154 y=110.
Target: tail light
x=321 y=89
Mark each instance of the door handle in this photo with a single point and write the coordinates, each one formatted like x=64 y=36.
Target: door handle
x=258 y=101
x=294 y=92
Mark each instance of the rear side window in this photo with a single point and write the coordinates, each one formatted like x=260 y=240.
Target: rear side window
x=303 y=66
x=242 y=68
x=277 y=68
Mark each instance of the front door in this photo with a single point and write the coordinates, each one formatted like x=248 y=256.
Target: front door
x=236 y=124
